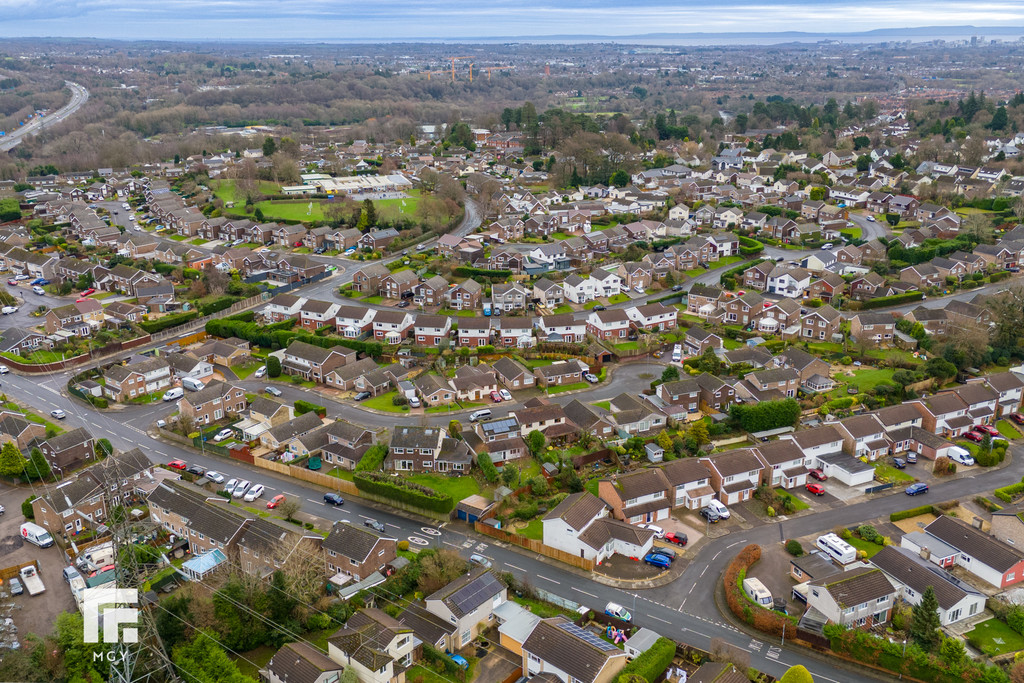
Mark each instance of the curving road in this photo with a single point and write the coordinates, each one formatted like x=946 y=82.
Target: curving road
x=79 y=96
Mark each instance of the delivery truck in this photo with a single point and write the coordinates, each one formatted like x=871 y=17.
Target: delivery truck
x=30 y=577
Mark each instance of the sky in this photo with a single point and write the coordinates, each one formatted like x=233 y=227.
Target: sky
x=406 y=20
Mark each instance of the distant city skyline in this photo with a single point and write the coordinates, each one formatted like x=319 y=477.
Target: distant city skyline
x=458 y=20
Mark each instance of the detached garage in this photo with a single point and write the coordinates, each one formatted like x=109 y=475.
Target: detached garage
x=846 y=468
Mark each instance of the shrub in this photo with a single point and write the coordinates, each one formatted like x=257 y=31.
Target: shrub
x=912 y=512
x=487 y=467
x=303 y=407
x=868 y=533
x=652 y=662
x=794 y=548
x=894 y=300
x=373 y=459
x=218 y=304
x=399 y=400
x=26 y=508
x=403 y=545
x=273 y=366
x=403 y=491
x=173 y=320
x=1008 y=493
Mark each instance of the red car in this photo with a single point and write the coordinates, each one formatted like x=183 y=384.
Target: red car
x=1017 y=417
x=177 y=464
x=13 y=282
x=275 y=501
x=974 y=436
x=678 y=539
x=817 y=474
x=91 y=290
x=496 y=397
x=816 y=489
x=987 y=429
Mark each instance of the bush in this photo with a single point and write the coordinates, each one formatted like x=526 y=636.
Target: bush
x=218 y=304
x=399 y=400
x=652 y=662
x=26 y=508
x=869 y=534
x=1001 y=275
x=912 y=512
x=1008 y=493
x=894 y=300
x=273 y=366
x=173 y=320
x=475 y=273
x=794 y=548
x=403 y=545
x=373 y=459
x=403 y=491
x=303 y=407
x=750 y=246
x=490 y=472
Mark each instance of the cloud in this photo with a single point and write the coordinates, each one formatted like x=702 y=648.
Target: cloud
x=462 y=19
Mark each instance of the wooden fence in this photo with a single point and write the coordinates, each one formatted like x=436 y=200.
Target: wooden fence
x=12 y=571
x=535 y=546
x=310 y=476
x=587 y=458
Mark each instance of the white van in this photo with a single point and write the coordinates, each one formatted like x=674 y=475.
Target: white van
x=677 y=353
x=192 y=384
x=480 y=415
x=758 y=592
x=36 y=535
x=174 y=394
x=837 y=549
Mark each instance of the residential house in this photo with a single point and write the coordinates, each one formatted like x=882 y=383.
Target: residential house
x=561 y=373
x=398 y=285
x=784 y=465
x=314 y=314
x=312 y=362
x=698 y=340
x=512 y=374
x=69 y=450
x=877 y=329
x=468 y=602
x=560 y=328
x=991 y=560
x=913 y=575
x=864 y=436
x=433 y=292
x=126 y=382
x=429 y=330
x=689 y=483
x=474 y=332
x=356 y=551
x=368 y=277
x=735 y=475
x=580 y=525
x=638 y=497
x=392 y=326
x=214 y=402
x=465 y=296
x=374 y=645
x=302 y=663
x=509 y=296
x=859 y=598
x=514 y=332
x=280 y=437
x=558 y=650
x=609 y=324
x=655 y=317
x=944 y=414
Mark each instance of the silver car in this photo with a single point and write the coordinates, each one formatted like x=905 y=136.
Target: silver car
x=241 y=488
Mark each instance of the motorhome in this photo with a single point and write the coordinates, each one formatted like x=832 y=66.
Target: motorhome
x=757 y=592
x=837 y=549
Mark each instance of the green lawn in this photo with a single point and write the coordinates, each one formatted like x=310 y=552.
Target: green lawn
x=383 y=402
x=339 y=473
x=994 y=637
x=1007 y=430
x=534 y=530
x=199 y=241
x=798 y=504
x=866 y=546
x=567 y=387
x=457 y=487
x=564 y=308
x=419 y=674
x=561 y=236
x=178 y=238
x=607 y=405
x=373 y=299
x=618 y=298
x=225 y=189
x=590 y=304
x=887 y=473
x=864 y=379
x=591 y=486
x=40 y=356
x=304 y=209
x=627 y=346
x=855 y=232
x=544 y=610
x=243 y=371
x=535 y=363
x=731 y=344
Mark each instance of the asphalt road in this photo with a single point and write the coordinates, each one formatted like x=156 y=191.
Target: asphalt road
x=79 y=96
x=870 y=229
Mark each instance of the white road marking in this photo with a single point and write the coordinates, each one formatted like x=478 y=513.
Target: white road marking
x=547 y=579
x=704 y=635
x=418 y=541
x=392 y=525
x=365 y=517
x=705 y=569
x=289 y=493
x=512 y=566
x=715 y=557
x=582 y=591
x=454 y=545
x=655 y=618
x=320 y=502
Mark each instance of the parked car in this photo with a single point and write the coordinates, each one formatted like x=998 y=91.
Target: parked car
x=480 y=560
x=915 y=489
x=362 y=396
x=911 y=458
x=613 y=609
x=223 y=434
x=260 y=372
x=375 y=525
x=899 y=463
x=275 y=501
x=91 y=290
x=658 y=531
x=58 y=413
x=39 y=290
x=961 y=456
x=871 y=219
x=718 y=507
x=977 y=437
x=273 y=391
x=253 y=493
x=1017 y=417
x=826 y=246
x=816 y=489
x=4 y=369
x=40 y=281
x=506 y=395
x=404 y=303
x=598 y=307
x=14 y=585
x=230 y=486
x=670 y=553
x=11 y=281
x=215 y=477
x=657 y=560
x=816 y=473
x=710 y=515
x=333 y=499
x=197 y=470
x=240 y=488
x=21 y=278
x=495 y=396
x=677 y=538
x=177 y=464
x=987 y=429
x=591 y=377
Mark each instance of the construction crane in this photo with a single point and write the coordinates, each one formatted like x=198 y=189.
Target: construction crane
x=443 y=71
x=489 y=69
x=453 y=65
x=471 y=72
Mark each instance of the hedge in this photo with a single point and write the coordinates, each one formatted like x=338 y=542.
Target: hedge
x=652 y=662
x=218 y=304
x=735 y=272
x=1008 y=493
x=759 y=617
x=163 y=268
x=894 y=300
x=912 y=512
x=438 y=659
x=487 y=467
x=167 y=321
x=1001 y=275
x=750 y=246
x=403 y=491
x=373 y=459
x=280 y=335
x=303 y=407
x=474 y=273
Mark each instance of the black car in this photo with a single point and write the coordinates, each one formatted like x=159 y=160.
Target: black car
x=333 y=499
x=362 y=395
x=667 y=552
x=197 y=470
x=710 y=515
x=403 y=304
x=375 y=525
x=598 y=307
x=677 y=288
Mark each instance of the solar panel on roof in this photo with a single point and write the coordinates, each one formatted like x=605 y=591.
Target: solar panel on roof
x=584 y=635
x=469 y=597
